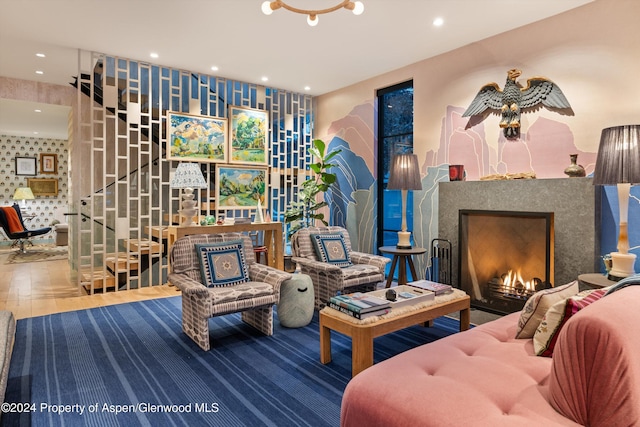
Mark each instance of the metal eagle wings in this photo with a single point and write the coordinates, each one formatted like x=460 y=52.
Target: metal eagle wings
x=514 y=100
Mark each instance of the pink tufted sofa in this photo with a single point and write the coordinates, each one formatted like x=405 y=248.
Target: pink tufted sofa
x=486 y=377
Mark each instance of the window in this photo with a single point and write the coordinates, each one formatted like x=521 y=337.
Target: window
x=395 y=135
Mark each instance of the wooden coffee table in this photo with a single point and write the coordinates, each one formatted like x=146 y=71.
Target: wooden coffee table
x=362 y=335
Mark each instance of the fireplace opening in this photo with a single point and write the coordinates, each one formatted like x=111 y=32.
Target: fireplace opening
x=504 y=257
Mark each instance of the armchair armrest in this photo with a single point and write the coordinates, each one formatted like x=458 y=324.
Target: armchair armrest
x=371 y=259
x=270 y=275
x=187 y=285
x=317 y=265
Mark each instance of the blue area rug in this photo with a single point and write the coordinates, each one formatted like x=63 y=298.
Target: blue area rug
x=131 y=364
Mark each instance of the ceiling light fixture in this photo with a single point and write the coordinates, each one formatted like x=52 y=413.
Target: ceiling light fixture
x=312 y=15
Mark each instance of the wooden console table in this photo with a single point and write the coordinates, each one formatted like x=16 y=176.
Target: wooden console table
x=272 y=236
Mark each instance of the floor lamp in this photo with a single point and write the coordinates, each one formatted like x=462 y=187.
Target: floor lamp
x=188 y=176
x=618 y=163
x=404 y=175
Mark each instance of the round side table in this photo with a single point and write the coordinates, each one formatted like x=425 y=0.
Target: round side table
x=405 y=257
x=594 y=281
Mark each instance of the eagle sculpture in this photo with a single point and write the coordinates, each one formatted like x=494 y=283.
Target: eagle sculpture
x=514 y=100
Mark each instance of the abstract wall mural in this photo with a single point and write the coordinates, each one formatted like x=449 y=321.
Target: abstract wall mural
x=544 y=148
x=352 y=197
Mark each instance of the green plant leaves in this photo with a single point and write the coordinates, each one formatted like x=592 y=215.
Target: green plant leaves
x=303 y=211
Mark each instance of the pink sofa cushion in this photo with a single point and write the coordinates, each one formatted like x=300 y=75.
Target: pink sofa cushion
x=595 y=376
x=483 y=376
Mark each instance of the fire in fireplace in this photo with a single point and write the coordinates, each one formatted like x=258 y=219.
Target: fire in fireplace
x=505 y=257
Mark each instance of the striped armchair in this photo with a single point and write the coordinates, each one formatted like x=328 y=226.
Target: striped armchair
x=364 y=274
x=255 y=298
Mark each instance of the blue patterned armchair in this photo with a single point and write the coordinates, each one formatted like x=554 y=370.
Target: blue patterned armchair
x=225 y=258
x=332 y=265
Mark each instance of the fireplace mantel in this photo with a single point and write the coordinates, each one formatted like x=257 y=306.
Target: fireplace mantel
x=572 y=200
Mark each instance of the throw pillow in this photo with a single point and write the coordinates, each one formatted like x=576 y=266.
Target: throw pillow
x=331 y=248
x=544 y=340
x=13 y=220
x=538 y=304
x=222 y=264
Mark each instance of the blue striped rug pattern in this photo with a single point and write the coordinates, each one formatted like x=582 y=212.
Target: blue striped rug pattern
x=131 y=364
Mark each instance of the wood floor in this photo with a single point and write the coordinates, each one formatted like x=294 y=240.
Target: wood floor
x=44 y=287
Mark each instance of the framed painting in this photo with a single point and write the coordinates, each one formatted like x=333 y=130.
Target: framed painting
x=249 y=135
x=240 y=187
x=43 y=186
x=196 y=138
x=26 y=166
x=48 y=163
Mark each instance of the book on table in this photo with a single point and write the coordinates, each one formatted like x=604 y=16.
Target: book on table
x=435 y=287
x=360 y=316
x=405 y=295
x=360 y=303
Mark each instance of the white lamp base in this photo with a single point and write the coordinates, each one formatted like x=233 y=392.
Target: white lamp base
x=622 y=265
x=188 y=210
x=404 y=240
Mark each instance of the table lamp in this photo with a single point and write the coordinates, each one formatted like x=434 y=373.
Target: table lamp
x=188 y=176
x=23 y=194
x=404 y=175
x=618 y=163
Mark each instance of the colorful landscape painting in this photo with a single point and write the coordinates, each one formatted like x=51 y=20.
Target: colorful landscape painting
x=249 y=129
x=240 y=187
x=196 y=138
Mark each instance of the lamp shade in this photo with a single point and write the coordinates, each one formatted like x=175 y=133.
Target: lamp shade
x=23 y=193
x=404 y=173
x=188 y=175
x=618 y=156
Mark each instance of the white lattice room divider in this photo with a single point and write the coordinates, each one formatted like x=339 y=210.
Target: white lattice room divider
x=120 y=177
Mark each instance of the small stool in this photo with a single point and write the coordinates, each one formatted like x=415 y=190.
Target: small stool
x=295 y=308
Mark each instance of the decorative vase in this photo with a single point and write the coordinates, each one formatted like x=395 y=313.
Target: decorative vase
x=574 y=169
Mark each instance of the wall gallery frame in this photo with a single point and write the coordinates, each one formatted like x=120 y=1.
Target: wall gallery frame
x=48 y=163
x=43 y=186
x=26 y=166
x=249 y=135
x=240 y=187
x=196 y=138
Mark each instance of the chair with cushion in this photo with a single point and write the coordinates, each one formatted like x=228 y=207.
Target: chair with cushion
x=13 y=226
x=324 y=253
x=218 y=275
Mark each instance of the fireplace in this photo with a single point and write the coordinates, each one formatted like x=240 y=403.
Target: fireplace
x=575 y=204
x=504 y=257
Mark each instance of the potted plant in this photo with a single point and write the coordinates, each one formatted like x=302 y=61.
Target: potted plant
x=304 y=212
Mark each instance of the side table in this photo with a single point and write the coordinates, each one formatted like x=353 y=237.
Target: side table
x=405 y=257
x=593 y=281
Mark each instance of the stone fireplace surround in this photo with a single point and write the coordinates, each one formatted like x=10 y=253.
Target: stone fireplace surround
x=572 y=200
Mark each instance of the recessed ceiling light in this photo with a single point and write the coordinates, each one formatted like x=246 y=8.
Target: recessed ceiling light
x=154 y=55
x=307 y=88
x=39 y=72
x=38 y=111
x=438 y=22
x=40 y=55
x=265 y=78
x=214 y=68
x=35 y=133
